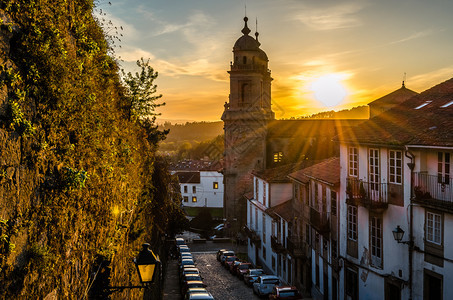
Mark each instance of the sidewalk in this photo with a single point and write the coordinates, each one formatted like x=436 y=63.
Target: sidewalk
x=171 y=283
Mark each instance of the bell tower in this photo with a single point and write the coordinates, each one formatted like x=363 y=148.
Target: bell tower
x=245 y=118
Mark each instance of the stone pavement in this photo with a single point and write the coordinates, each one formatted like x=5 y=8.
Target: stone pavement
x=171 y=283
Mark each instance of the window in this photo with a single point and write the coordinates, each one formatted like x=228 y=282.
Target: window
x=185 y=189
x=244 y=60
x=215 y=185
x=273 y=262
x=324 y=199
x=278 y=157
x=194 y=189
x=443 y=167
x=194 y=199
x=256 y=219
x=251 y=215
x=395 y=166
x=316 y=201
x=307 y=234
x=351 y=284
x=264 y=193
x=264 y=253
x=334 y=249
x=333 y=203
x=256 y=188
x=373 y=172
x=434 y=228
x=353 y=162
x=264 y=228
x=352 y=222
x=186 y=199
x=376 y=240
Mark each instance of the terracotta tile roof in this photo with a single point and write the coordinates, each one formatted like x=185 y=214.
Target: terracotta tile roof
x=309 y=127
x=188 y=177
x=327 y=171
x=425 y=119
x=280 y=174
x=284 y=210
x=395 y=97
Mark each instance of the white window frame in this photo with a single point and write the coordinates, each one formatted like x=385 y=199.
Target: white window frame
x=396 y=166
x=376 y=240
x=353 y=161
x=352 y=223
x=434 y=228
x=444 y=167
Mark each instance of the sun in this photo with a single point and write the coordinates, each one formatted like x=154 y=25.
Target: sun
x=328 y=89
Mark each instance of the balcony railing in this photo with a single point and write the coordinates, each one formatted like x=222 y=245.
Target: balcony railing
x=320 y=221
x=368 y=194
x=432 y=188
x=276 y=245
x=252 y=67
x=254 y=235
x=296 y=246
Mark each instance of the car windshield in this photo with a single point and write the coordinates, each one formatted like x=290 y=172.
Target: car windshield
x=270 y=281
x=256 y=272
x=288 y=293
x=231 y=258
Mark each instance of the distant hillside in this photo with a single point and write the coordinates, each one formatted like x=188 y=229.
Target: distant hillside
x=359 y=112
x=196 y=131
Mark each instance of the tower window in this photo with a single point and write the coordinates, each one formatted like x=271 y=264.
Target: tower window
x=244 y=60
x=245 y=93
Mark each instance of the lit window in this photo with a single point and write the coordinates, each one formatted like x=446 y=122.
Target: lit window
x=352 y=223
x=215 y=185
x=434 y=228
x=376 y=241
x=278 y=157
x=194 y=199
x=395 y=166
x=186 y=199
x=353 y=163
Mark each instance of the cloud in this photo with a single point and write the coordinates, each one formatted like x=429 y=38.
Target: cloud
x=330 y=18
x=413 y=36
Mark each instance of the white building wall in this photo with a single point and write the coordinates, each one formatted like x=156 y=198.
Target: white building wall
x=205 y=193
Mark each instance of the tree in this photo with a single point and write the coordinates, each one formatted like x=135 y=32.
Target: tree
x=141 y=92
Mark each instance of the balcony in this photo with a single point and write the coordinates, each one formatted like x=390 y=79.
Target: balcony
x=250 y=67
x=372 y=195
x=297 y=248
x=319 y=221
x=276 y=245
x=433 y=190
x=253 y=235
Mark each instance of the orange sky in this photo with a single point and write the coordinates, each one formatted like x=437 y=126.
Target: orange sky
x=364 y=46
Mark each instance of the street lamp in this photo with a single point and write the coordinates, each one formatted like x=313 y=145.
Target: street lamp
x=398 y=234
x=147 y=265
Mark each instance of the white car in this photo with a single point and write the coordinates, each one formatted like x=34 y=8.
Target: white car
x=264 y=284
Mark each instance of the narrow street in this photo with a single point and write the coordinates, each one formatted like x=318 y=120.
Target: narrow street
x=220 y=283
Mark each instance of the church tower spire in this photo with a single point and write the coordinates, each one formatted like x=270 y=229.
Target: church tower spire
x=245 y=118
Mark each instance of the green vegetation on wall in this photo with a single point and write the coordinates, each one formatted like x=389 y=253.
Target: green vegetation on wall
x=82 y=187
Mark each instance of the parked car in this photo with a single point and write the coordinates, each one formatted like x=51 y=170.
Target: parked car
x=185 y=271
x=285 y=292
x=264 y=284
x=234 y=266
x=186 y=261
x=180 y=241
x=242 y=269
x=229 y=260
x=196 y=290
x=192 y=284
x=224 y=256
x=220 y=252
x=185 y=255
x=191 y=277
x=199 y=296
x=252 y=275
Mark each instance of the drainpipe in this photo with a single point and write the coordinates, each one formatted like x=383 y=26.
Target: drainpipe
x=411 y=166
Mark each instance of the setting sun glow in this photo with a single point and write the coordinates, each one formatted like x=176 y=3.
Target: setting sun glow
x=329 y=90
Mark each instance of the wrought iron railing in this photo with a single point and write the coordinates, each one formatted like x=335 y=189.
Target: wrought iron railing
x=433 y=187
x=296 y=246
x=276 y=245
x=368 y=193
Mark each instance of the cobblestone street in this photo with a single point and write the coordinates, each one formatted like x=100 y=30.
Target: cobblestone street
x=221 y=284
